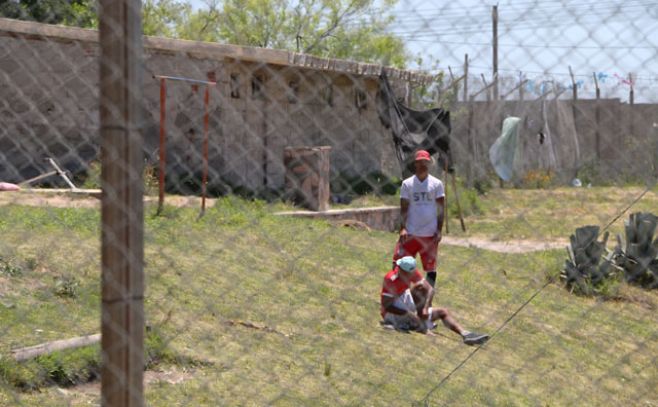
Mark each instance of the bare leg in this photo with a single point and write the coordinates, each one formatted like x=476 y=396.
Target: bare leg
x=447 y=319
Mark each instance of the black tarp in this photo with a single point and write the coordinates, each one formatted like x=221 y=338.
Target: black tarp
x=413 y=130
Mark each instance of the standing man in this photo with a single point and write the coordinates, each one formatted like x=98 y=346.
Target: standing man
x=405 y=303
x=421 y=209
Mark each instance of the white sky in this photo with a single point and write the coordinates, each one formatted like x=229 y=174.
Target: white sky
x=541 y=38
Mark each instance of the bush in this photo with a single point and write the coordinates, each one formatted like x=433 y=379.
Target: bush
x=639 y=255
x=62 y=368
x=469 y=199
x=587 y=271
x=9 y=268
x=66 y=286
x=538 y=179
x=75 y=366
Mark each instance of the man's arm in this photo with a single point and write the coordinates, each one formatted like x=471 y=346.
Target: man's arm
x=440 y=205
x=404 y=211
x=388 y=303
x=428 y=298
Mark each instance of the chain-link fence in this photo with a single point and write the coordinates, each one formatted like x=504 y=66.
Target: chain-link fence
x=202 y=223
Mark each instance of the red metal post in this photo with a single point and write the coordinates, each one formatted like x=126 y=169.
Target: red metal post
x=163 y=156
x=204 y=181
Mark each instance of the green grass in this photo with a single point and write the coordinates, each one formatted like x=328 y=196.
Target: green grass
x=535 y=214
x=555 y=213
x=311 y=291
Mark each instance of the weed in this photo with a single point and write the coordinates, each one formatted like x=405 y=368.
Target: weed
x=9 y=268
x=66 y=286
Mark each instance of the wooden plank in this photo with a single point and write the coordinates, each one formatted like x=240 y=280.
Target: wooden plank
x=30 y=352
x=122 y=252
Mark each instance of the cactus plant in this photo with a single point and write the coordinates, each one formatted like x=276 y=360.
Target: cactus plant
x=587 y=269
x=639 y=255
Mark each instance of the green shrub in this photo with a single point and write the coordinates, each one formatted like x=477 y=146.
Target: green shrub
x=66 y=286
x=9 y=268
x=62 y=368
x=469 y=199
x=587 y=271
x=639 y=255
x=74 y=366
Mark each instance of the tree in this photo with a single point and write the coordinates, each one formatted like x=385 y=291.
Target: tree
x=81 y=13
x=349 y=29
x=346 y=29
x=165 y=18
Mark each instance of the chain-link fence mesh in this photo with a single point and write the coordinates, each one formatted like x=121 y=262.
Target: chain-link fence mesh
x=272 y=194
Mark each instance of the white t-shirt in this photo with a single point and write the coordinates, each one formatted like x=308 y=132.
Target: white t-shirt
x=422 y=196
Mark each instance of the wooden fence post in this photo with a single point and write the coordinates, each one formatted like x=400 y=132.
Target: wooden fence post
x=122 y=253
x=597 y=117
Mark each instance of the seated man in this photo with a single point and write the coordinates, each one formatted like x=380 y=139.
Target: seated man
x=405 y=303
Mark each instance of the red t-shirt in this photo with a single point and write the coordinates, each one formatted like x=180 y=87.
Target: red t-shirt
x=394 y=286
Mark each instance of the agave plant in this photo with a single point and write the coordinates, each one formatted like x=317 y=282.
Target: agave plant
x=639 y=256
x=587 y=269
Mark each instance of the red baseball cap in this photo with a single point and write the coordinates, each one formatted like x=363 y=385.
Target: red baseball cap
x=422 y=155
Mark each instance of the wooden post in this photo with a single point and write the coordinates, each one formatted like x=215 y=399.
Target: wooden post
x=471 y=142
x=522 y=84
x=574 y=88
x=631 y=96
x=459 y=208
x=494 y=18
x=266 y=147
x=204 y=176
x=655 y=151
x=445 y=198
x=631 y=103
x=466 y=78
x=162 y=168
x=453 y=83
x=574 y=112
x=597 y=116
x=122 y=207
x=486 y=86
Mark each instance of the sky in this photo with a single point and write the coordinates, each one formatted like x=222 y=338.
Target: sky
x=538 y=41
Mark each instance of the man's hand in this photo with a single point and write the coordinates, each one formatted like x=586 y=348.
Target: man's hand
x=425 y=313
x=415 y=319
x=419 y=324
x=437 y=237
x=403 y=235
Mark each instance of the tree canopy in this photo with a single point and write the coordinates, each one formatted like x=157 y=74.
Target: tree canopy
x=349 y=29
x=81 y=13
x=346 y=29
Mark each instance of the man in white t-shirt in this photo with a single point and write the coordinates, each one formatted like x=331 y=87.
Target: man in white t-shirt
x=421 y=210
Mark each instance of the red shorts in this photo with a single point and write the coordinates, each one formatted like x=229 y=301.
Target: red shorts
x=426 y=246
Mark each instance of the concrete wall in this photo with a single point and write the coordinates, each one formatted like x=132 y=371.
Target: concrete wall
x=49 y=83
x=623 y=145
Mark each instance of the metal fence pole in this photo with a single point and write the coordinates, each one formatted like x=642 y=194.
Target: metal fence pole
x=122 y=320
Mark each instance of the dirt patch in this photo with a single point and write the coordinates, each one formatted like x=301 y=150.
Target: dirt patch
x=4 y=283
x=93 y=389
x=56 y=198
x=509 y=246
x=635 y=295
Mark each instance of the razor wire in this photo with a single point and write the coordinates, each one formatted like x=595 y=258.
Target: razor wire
x=233 y=126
